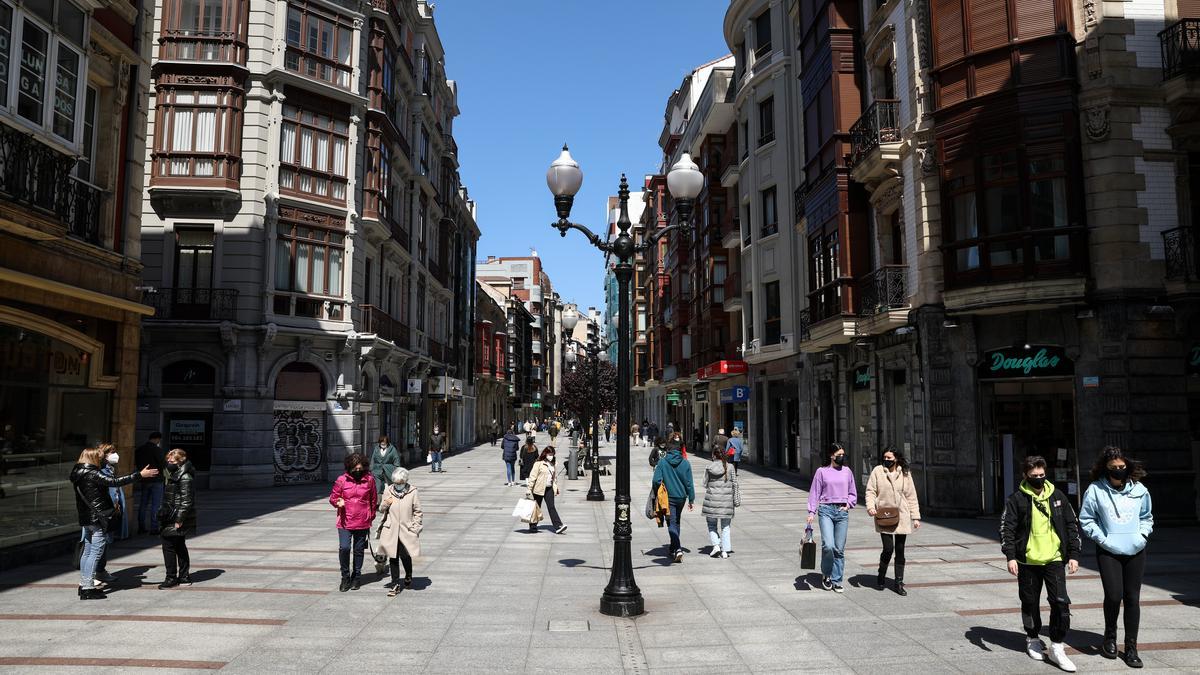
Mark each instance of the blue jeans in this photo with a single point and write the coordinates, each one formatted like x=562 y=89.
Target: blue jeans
x=436 y=464
x=720 y=525
x=673 y=524
x=510 y=470
x=834 y=525
x=94 y=541
x=359 y=538
x=148 y=504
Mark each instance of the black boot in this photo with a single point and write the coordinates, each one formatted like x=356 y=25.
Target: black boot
x=881 y=579
x=169 y=582
x=345 y=585
x=1108 y=648
x=92 y=594
x=900 y=580
x=1131 y=656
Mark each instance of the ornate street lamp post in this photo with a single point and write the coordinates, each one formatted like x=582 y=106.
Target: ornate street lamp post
x=622 y=597
x=596 y=352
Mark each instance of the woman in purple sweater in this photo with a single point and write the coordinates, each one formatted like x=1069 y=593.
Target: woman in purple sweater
x=830 y=499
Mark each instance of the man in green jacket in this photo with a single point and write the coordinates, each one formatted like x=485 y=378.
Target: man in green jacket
x=675 y=473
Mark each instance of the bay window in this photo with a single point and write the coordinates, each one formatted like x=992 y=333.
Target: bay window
x=319 y=44
x=308 y=262
x=197 y=133
x=203 y=30
x=313 y=154
x=824 y=276
x=44 y=43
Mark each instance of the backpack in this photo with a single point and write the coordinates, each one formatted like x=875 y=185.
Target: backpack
x=655 y=455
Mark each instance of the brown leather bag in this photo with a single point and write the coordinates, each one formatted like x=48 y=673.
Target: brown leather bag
x=887 y=516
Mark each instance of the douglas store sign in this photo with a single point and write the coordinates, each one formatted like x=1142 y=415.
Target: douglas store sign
x=1022 y=362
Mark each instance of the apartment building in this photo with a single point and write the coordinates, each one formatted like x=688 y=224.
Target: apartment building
x=492 y=375
x=308 y=242
x=525 y=279
x=73 y=88
x=518 y=355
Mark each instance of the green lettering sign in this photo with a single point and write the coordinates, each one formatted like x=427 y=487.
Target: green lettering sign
x=1020 y=362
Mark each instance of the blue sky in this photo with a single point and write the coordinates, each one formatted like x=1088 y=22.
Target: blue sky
x=595 y=74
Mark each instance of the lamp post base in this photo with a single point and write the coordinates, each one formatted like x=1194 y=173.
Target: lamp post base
x=622 y=605
x=595 y=494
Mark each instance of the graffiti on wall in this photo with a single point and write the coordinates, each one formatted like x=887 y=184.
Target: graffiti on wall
x=299 y=447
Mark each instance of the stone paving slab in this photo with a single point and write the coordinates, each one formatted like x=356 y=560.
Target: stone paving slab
x=487 y=592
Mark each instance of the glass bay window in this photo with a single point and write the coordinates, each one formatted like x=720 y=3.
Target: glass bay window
x=42 y=66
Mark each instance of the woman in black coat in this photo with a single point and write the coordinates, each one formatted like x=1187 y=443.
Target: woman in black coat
x=529 y=455
x=177 y=518
x=509 y=447
x=95 y=509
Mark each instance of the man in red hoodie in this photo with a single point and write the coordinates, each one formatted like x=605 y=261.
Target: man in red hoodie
x=356 y=501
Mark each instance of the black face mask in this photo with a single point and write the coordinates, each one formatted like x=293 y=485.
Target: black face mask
x=889 y=463
x=172 y=467
x=1118 y=475
x=839 y=460
x=358 y=473
x=1036 y=483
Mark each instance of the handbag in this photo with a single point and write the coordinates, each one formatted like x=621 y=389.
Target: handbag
x=737 y=492
x=650 y=505
x=808 y=550
x=429 y=458
x=887 y=516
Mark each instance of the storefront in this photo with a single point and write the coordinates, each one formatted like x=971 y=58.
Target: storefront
x=1027 y=407
x=861 y=439
x=300 y=416
x=734 y=408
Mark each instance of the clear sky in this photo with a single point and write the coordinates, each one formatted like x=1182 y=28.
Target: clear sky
x=595 y=74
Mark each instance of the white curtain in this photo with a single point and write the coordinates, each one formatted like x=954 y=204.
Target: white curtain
x=318 y=269
x=322 y=163
x=339 y=156
x=302 y=267
x=287 y=143
x=335 y=272
x=306 y=148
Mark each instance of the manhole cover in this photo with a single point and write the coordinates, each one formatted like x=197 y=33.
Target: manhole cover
x=568 y=626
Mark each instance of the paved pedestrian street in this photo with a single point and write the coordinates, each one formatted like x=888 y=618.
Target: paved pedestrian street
x=490 y=597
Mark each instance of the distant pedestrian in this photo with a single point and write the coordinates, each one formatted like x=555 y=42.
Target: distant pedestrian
x=642 y=428
x=494 y=430
x=509 y=448
x=543 y=486
x=720 y=500
x=150 y=492
x=529 y=455
x=633 y=434
x=891 y=486
x=356 y=501
x=609 y=430
x=675 y=440
x=177 y=519
x=652 y=433
x=117 y=526
x=1039 y=536
x=400 y=528
x=527 y=427
x=736 y=447
x=384 y=460
x=720 y=443
x=830 y=498
x=437 y=446
x=1118 y=515
x=675 y=472
x=552 y=429
x=95 y=509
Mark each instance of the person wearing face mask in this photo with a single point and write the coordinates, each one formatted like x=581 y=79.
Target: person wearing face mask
x=400 y=528
x=117 y=526
x=543 y=486
x=830 y=498
x=356 y=501
x=437 y=445
x=674 y=472
x=177 y=518
x=1118 y=515
x=1039 y=536
x=891 y=486
x=529 y=455
x=384 y=460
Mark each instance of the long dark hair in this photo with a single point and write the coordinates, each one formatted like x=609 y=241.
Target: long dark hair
x=1108 y=454
x=549 y=449
x=901 y=460
x=354 y=459
x=830 y=452
x=720 y=454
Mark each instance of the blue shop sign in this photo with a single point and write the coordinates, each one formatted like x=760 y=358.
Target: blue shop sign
x=735 y=395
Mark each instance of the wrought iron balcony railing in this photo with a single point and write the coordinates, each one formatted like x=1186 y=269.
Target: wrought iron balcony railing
x=34 y=174
x=202 y=45
x=1180 y=48
x=803 y=323
x=375 y=320
x=879 y=124
x=1181 y=248
x=882 y=290
x=193 y=304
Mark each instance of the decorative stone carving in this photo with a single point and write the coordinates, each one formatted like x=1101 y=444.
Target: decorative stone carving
x=1091 y=13
x=923 y=39
x=1096 y=123
x=927 y=154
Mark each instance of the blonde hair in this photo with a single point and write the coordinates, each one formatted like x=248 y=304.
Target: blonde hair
x=178 y=455
x=736 y=432
x=96 y=455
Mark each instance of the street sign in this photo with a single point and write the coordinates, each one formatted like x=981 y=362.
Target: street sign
x=735 y=395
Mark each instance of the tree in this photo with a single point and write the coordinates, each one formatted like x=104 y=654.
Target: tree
x=577 y=397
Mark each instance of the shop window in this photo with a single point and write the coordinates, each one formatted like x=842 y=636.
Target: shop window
x=189 y=379
x=313 y=154
x=299 y=381
x=197 y=133
x=319 y=44
x=766 y=121
x=44 y=43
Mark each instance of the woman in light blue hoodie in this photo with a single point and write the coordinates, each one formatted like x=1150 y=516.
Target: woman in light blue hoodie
x=1117 y=515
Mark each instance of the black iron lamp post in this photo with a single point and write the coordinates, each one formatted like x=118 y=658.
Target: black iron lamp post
x=596 y=352
x=622 y=597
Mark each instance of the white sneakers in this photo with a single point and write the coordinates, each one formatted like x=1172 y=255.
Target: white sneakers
x=1058 y=656
x=716 y=552
x=1036 y=649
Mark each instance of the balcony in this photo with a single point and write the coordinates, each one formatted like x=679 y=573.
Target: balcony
x=192 y=304
x=205 y=46
x=883 y=300
x=317 y=67
x=34 y=174
x=733 y=292
x=1181 y=249
x=449 y=146
x=875 y=141
x=825 y=323
x=437 y=351
x=375 y=320
x=1180 y=48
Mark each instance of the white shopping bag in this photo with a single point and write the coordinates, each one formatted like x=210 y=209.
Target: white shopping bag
x=524 y=510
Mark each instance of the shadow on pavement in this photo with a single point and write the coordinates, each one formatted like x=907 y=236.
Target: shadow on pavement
x=866 y=581
x=1082 y=641
x=808 y=581
x=200 y=576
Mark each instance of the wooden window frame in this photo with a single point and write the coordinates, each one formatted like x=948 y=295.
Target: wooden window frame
x=225 y=43
x=225 y=157
x=299 y=58
x=324 y=125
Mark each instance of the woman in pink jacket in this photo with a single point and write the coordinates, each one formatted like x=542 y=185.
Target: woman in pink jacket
x=356 y=501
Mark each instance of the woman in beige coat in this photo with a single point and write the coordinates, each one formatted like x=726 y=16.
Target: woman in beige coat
x=543 y=486
x=891 y=486
x=400 y=529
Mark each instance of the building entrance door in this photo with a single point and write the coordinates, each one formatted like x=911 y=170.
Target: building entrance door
x=1028 y=418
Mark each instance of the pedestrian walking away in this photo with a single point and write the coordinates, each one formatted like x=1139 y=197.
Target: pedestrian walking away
x=543 y=486
x=892 y=502
x=675 y=472
x=721 y=497
x=356 y=501
x=150 y=492
x=642 y=432
x=508 y=449
x=384 y=461
x=400 y=529
x=437 y=446
x=553 y=430
x=94 y=507
x=494 y=430
x=117 y=525
x=735 y=448
x=633 y=434
x=177 y=518
x=720 y=443
x=529 y=456
x=1039 y=535
x=1117 y=514
x=830 y=498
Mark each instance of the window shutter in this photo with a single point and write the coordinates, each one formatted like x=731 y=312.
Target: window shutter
x=947 y=30
x=992 y=73
x=1035 y=18
x=989 y=24
x=1189 y=9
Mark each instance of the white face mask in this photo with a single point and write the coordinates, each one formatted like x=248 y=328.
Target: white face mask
x=113 y=458
x=549 y=458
